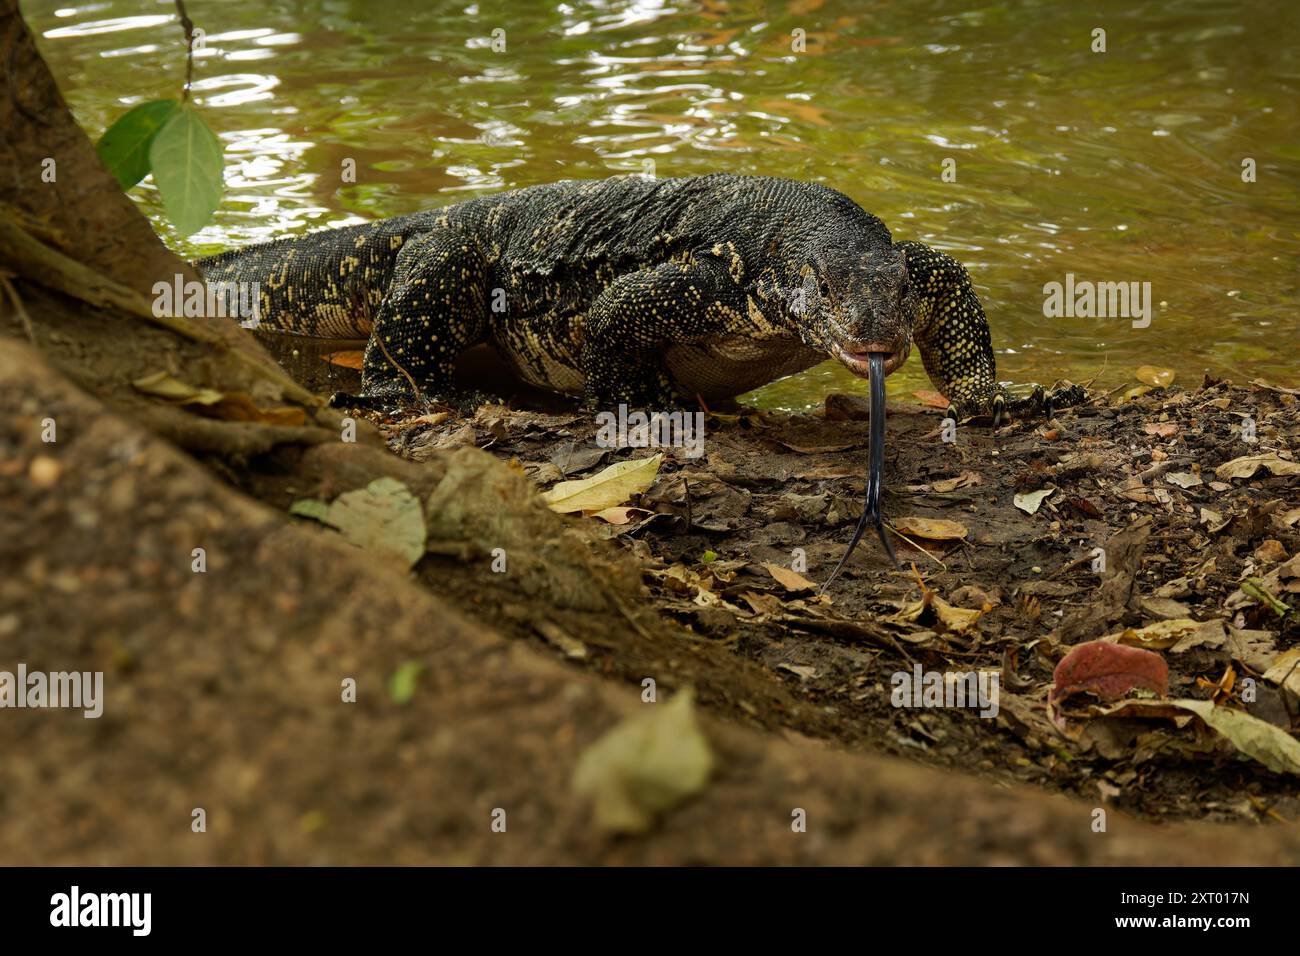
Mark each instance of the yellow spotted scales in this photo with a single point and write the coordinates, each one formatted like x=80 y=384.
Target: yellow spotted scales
x=655 y=293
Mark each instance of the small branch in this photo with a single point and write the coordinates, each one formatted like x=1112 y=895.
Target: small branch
x=419 y=395
x=188 y=26
x=17 y=303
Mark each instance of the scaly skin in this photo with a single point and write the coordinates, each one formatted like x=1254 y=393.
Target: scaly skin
x=652 y=293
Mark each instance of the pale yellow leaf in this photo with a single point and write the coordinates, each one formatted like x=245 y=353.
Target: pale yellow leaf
x=1155 y=376
x=792 y=581
x=611 y=486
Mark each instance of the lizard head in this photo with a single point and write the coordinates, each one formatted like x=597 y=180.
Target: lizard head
x=860 y=303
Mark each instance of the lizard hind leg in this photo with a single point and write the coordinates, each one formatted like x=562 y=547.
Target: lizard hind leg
x=435 y=308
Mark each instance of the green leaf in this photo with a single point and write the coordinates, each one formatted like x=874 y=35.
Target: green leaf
x=383 y=516
x=124 y=147
x=645 y=766
x=401 y=686
x=186 y=158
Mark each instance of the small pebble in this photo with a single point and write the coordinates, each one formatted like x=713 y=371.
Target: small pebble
x=44 y=471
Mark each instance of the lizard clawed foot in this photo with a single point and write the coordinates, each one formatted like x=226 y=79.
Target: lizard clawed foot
x=1044 y=402
x=997 y=406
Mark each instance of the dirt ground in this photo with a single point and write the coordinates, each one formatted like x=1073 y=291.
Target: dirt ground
x=223 y=687
x=773 y=654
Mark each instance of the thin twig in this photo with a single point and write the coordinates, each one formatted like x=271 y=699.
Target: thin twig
x=1105 y=360
x=18 y=307
x=917 y=546
x=419 y=395
x=188 y=26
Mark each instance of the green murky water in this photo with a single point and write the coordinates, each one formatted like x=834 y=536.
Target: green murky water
x=1116 y=166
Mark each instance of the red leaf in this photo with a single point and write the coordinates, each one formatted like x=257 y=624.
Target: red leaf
x=1110 y=671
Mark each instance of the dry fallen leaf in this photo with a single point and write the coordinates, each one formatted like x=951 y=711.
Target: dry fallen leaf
x=1271 y=746
x=1247 y=465
x=1157 y=377
x=607 y=488
x=163 y=385
x=932 y=529
x=622 y=515
x=792 y=581
x=1180 y=634
x=1108 y=670
x=229 y=406
x=942 y=616
x=383 y=516
x=1137 y=391
x=1285 y=671
x=820 y=449
x=239 y=407
x=351 y=358
x=964 y=480
x=1029 y=502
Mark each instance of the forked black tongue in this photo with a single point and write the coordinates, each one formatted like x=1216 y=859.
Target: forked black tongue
x=875 y=477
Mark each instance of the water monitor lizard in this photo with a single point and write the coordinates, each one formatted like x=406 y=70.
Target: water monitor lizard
x=653 y=293
x=650 y=293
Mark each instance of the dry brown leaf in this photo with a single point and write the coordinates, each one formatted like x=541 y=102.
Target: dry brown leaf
x=820 y=449
x=1285 y=671
x=945 y=617
x=1180 y=634
x=350 y=358
x=228 y=406
x=1247 y=465
x=964 y=480
x=622 y=515
x=932 y=529
x=792 y=581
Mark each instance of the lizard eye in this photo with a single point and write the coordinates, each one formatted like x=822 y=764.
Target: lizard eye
x=824 y=288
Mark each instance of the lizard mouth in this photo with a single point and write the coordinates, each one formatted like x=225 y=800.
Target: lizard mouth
x=856 y=357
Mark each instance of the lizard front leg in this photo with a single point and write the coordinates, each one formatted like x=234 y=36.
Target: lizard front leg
x=638 y=316
x=435 y=308
x=952 y=333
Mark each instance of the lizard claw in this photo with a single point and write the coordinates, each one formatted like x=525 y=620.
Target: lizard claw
x=999 y=408
x=1043 y=402
x=959 y=410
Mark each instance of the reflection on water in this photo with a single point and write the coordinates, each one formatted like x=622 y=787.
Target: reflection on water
x=1116 y=166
